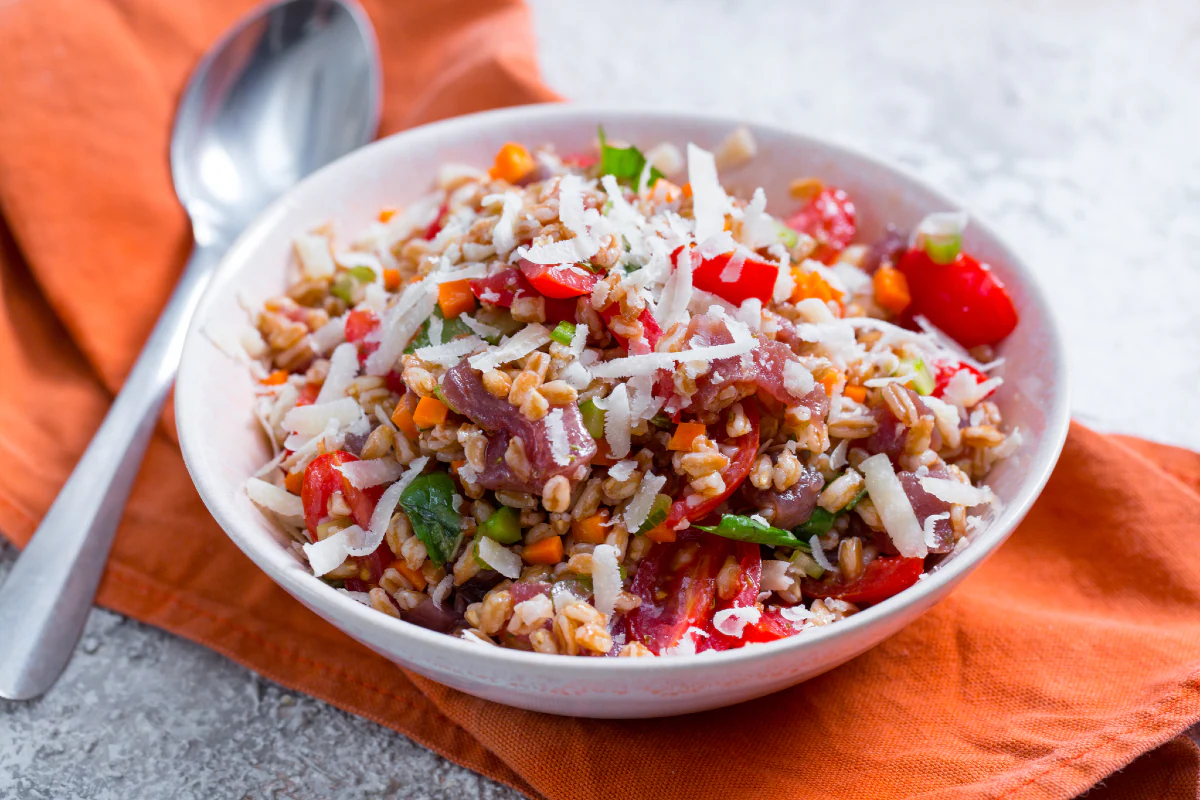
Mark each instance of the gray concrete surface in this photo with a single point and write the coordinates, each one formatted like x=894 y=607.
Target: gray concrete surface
x=1072 y=125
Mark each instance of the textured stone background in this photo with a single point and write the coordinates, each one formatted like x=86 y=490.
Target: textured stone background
x=1071 y=124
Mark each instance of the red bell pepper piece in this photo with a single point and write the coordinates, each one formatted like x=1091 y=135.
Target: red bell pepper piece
x=438 y=223
x=947 y=370
x=359 y=323
x=963 y=298
x=883 y=577
x=321 y=480
x=830 y=219
x=754 y=279
x=308 y=394
x=558 y=281
x=502 y=288
x=649 y=326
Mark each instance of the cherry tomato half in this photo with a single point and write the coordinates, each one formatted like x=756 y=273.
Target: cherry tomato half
x=321 y=480
x=963 y=298
x=676 y=582
x=883 y=577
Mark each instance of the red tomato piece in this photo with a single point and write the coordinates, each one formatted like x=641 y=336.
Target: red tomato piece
x=359 y=323
x=559 y=280
x=502 y=288
x=883 y=577
x=438 y=223
x=770 y=626
x=749 y=582
x=963 y=298
x=376 y=564
x=947 y=370
x=308 y=394
x=677 y=583
x=395 y=382
x=829 y=218
x=734 y=474
x=581 y=160
x=649 y=327
x=321 y=480
x=754 y=279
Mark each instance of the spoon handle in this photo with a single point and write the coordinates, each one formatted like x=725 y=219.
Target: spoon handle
x=47 y=596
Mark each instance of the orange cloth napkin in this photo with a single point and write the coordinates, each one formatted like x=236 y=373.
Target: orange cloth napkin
x=1072 y=653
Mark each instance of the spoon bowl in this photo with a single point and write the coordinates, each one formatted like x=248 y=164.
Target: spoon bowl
x=293 y=86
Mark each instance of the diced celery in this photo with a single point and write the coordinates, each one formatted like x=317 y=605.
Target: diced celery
x=660 y=421
x=923 y=382
x=806 y=564
x=943 y=248
x=563 y=333
x=362 y=274
x=658 y=513
x=344 y=285
x=787 y=237
x=503 y=526
x=593 y=418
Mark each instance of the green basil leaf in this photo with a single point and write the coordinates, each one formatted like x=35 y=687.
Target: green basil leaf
x=451 y=330
x=624 y=163
x=745 y=529
x=429 y=503
x=819 y=524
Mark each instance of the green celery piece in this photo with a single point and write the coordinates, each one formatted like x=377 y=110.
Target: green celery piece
x=943 y=248
x=362 y=274
x=923 y=382
x=806 y=564
x=745 y=529
x=504 y=526
x=563 y=333
x=429 y=503
x=593 y=418
x=660 y=421
x=343 y=288
x=658 y=513
x=787 y=237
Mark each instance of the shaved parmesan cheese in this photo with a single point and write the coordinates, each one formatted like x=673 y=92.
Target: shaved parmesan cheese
x=665 y=157
x=947 y=418
x=622 y=469
x=503 y=237
x=785 y=284
x=732 y=270
x=797 y=379
x=652 y=362
x=750 y=314
x=570 y=204
x=400 y=324
x=576 y=375
x=797 y=615
x=895 y=510
x=708 y=198
x=465 y=273
x=818 y=554
x=606 y=579
x=312 y=420
x=343 y=368
x=326 y=555
x=813 y=310
x=617 y=420
x=382 y=516
x=775 y=576
x=639 y=507
x=370 y=472
x=579 y=339
x=528 y=339
x=481 y=330
x=450 y=353
x=686 y=646
x=837 y=458
x=732 y=621
x=560 y=445
x=359 y=258
x=274 y=498
x=964 y=392
x=434 y=329
x=500 y=558
x=758 y=229
x=956 y=493
x=315 y=255
x=676 y=293
x=930 y=527
x=329 y=335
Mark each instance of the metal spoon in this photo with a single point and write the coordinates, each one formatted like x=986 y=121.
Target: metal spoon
x=293 y=86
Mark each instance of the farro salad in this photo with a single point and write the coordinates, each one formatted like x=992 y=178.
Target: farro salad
x=597 y=404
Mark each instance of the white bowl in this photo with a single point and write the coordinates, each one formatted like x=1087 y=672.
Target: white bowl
x=222 y=443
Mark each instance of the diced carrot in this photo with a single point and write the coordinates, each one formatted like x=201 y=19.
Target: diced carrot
x=275 y=378
x=513 y=162
x=856 y=393
x=294 y=481
x=891 y=290
x=430 y=411
x=805 y=188
x=392 y=280
x=812 y=285
x=661 y=534
x=414 y=576
x=830 y=380
x=591 y=530
x=387 y=213
x=685 y=434
x=603 y=457
x=455 y=297
x=547 y=551
x=455 y=466
x=403 y=420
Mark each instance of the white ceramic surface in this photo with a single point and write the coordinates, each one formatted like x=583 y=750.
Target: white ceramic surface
x=222 y=444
